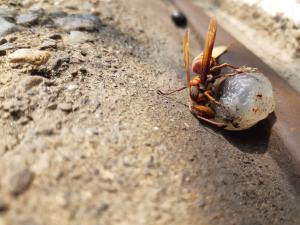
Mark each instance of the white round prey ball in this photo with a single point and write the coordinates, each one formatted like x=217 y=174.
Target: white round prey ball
x=245 y=98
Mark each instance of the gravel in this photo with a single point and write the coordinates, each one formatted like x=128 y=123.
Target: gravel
x=66 y=107
x=3 y=205
x=20 y=181
x=87 y=22
x=30 y=18
x=120 y=153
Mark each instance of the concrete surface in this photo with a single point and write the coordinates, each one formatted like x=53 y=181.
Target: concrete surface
x=92 y=142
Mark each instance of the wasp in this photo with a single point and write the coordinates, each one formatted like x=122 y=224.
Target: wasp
x=204 y=88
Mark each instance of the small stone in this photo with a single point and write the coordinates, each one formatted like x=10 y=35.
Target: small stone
x=179 y=19
x=12 y=39
x=3 y=41
x=24 y=120
x=32 y=56
x=7 y=13
x=30 y=18
x=52 y=106
x=46 y=131
x=59 y=61
x=32 y=81
x=43 y=71
x=48 y=44
x=20 y=181
x=149 y=162
x=83 y=70
x=201 y=203
x=83 y=53
x=55 y=37
x=77 y=37
x=2 y=52
x=72 y=87
x=66 y=107
x=7 y=27
x=6 y=46
x=3 y=206
x=50 y=83
x=87 y=22
x=57 y=13
x=102 y=208
x=74 y=73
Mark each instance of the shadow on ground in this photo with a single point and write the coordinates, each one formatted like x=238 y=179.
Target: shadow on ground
x=253 y=140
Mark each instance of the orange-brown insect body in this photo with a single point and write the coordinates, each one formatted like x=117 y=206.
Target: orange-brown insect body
x=202 y=88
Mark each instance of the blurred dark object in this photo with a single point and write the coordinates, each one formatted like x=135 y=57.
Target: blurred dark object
x=179 y=19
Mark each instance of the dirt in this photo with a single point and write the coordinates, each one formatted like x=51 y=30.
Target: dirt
x=95 y=144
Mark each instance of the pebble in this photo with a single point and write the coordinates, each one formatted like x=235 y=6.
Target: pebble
x=149 y=162
x=102 y=208
x=72 y=87
x=20 y=181
x=87 y=22
x=77 y=37
x=179 y=19
x=55 y=36
x=3 y=205
x=3 y=41
x=6 y=46
x=24 y=120
x=52 y=106
x=66 y=107
x=83 y=70
x=7 y=13
x=32 y=81
x=59 y=61
x=32 y=56
x=48 y=44
x=30 y=18
x=6 y=27
x=57 y=13
x=46 y=131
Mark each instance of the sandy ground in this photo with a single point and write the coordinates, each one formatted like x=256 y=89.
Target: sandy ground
x=92 y=142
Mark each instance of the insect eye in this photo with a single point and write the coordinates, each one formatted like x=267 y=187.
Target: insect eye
x=196 y=67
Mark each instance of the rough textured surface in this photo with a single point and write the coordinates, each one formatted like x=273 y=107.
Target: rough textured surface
x=123 y=154
x=246 y=99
